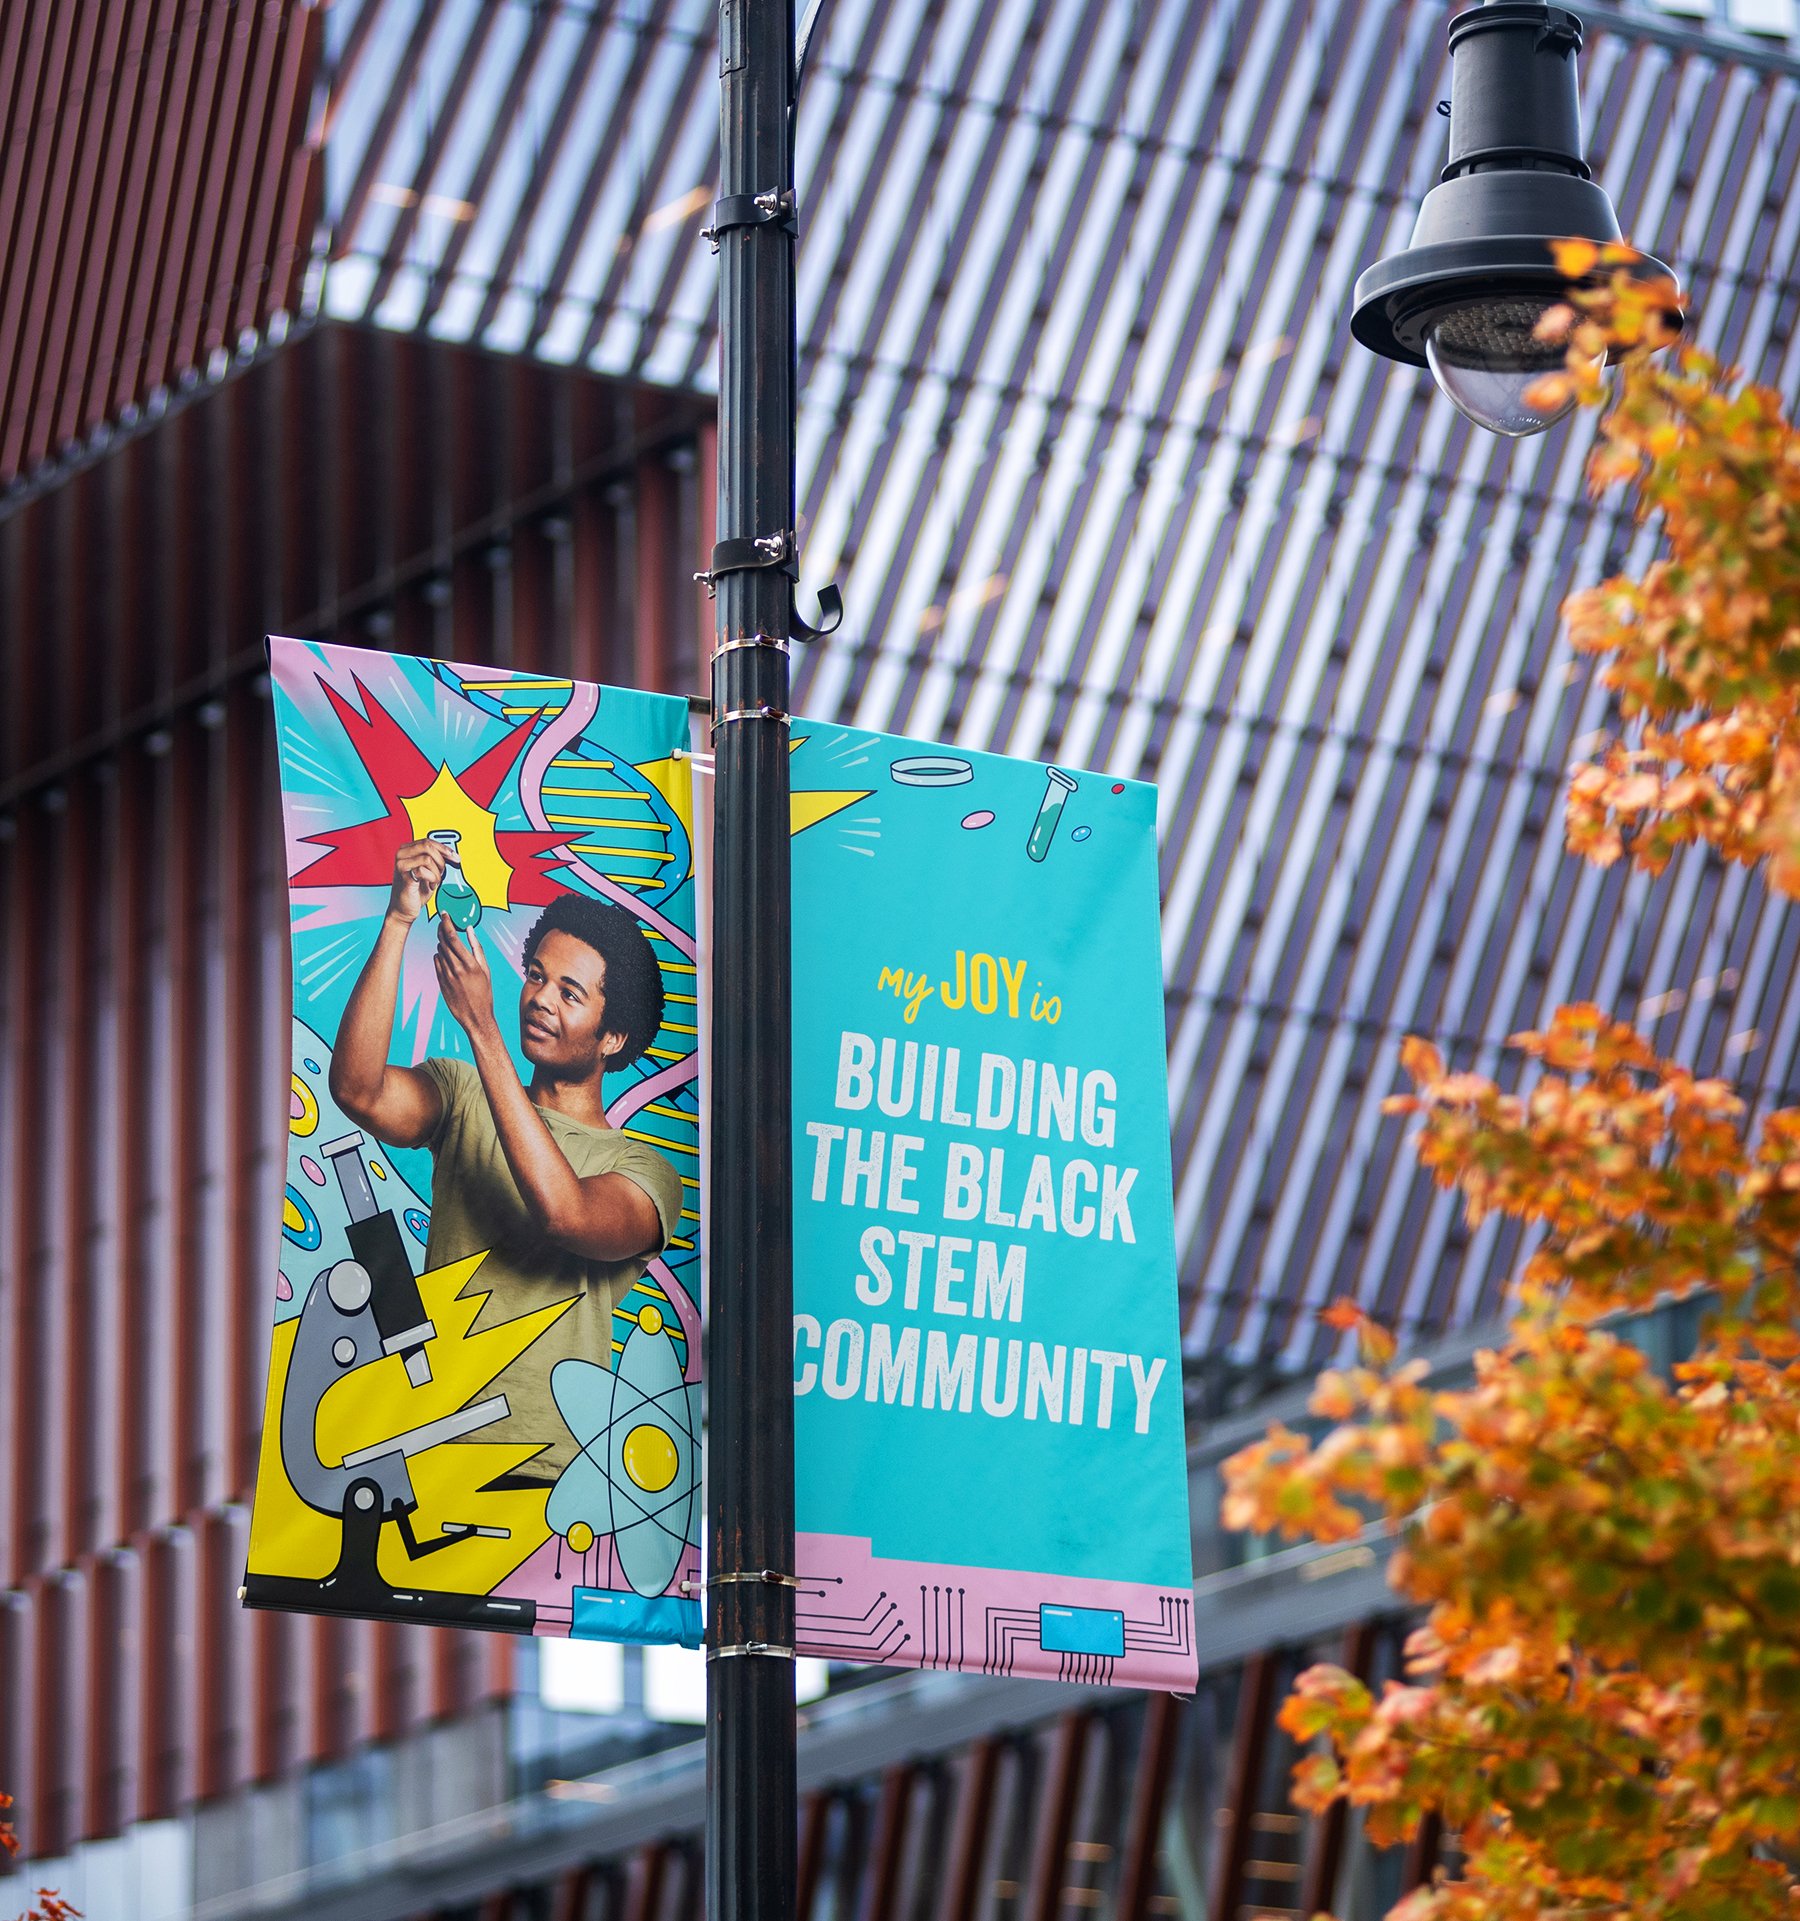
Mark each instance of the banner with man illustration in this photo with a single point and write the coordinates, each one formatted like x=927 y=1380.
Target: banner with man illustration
x=483 y=1401
x=991 y=1471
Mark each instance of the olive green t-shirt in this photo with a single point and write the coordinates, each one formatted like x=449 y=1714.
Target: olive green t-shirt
x=476 y=1205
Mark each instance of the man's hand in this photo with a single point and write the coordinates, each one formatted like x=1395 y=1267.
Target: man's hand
x=418 y=867
x=462 y=973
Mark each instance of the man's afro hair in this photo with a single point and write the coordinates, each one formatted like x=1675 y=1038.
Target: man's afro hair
x=634 y=990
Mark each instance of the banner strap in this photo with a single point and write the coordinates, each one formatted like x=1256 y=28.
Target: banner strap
x=764 y=712
x=742 y=1649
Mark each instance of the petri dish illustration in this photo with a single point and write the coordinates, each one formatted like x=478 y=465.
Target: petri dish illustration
x=932 y=770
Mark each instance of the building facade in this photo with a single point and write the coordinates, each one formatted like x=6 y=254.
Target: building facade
x=389 y=321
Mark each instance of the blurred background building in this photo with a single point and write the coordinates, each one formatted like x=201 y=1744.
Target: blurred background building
x=389 y=321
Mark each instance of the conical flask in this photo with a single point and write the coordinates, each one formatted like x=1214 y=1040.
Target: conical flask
x=457 y=901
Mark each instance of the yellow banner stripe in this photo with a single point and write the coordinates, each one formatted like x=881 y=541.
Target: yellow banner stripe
x=625 y=794
x=587 y=793
x=629 y=826
x=656 y=1140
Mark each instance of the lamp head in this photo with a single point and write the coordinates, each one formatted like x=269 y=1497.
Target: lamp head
x=1465 y=297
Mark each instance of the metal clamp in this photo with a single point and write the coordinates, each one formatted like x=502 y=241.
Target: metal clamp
x=767 y=1576
x=740 y=1649
x=778 y=207
x=764 y=712
x=742 y=641
x=755 y=555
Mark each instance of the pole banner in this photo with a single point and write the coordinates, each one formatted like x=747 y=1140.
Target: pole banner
x=483 y=1400
x=991 y=1470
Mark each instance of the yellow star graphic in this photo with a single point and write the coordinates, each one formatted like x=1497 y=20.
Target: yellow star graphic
x=444 y=804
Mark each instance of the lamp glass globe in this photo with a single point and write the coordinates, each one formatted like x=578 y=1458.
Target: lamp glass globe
x=1485 y=357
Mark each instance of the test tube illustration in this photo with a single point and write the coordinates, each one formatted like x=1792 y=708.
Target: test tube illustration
x=1057 y=789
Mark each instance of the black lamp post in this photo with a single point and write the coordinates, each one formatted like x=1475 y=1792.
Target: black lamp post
x=750 y=1726
x=1466 y=295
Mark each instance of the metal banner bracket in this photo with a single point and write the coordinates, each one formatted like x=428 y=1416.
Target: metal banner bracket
x=779 y=207
x=768 y=551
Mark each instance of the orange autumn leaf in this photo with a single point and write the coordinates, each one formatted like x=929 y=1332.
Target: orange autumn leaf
x=1575 y=259
x=1420 y=1059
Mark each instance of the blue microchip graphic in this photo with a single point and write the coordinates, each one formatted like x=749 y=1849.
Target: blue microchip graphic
x=1081 y=1631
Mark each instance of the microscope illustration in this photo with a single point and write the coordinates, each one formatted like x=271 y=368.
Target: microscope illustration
x=359 y=1311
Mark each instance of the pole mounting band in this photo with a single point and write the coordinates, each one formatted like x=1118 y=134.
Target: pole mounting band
x=778 y=207
x=739 y=1650
x=764 y=712
x=741 y=641
x=754 y=555
x=767 y=1576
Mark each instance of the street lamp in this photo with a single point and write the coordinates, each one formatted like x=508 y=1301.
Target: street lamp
x=1467 y=294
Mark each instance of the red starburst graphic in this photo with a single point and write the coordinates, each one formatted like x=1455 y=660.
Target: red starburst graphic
x=363 y=855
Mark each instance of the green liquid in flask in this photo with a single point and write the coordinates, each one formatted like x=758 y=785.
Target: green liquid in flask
x=458 y=902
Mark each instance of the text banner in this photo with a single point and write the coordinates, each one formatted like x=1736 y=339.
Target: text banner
x=991 y=1470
